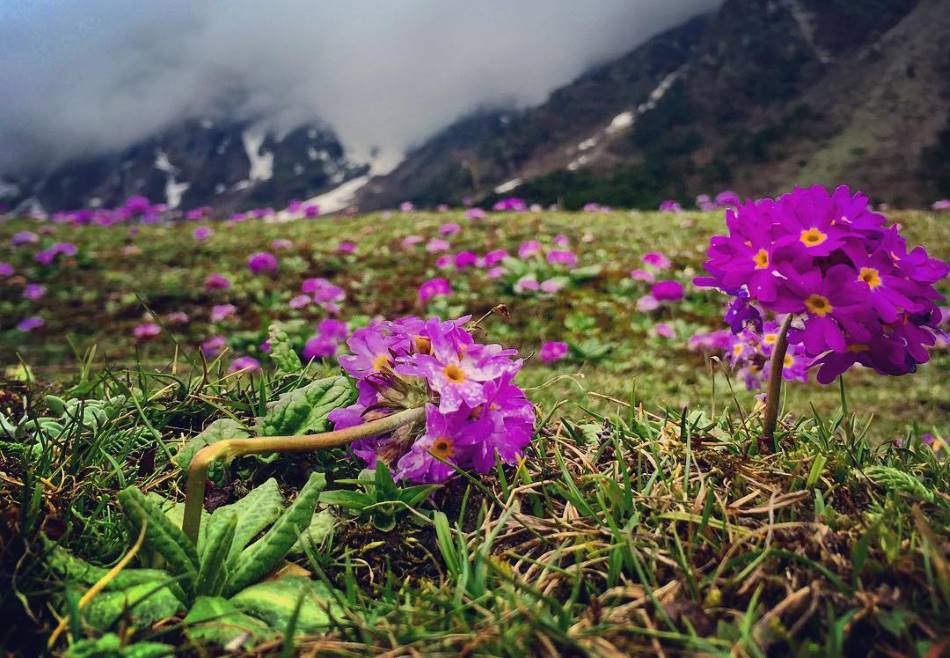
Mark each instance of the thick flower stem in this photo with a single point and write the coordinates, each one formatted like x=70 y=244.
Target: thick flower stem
x=775 y=381
x=231 y=448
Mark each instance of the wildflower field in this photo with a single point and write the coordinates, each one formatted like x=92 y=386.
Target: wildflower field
x=573 y=457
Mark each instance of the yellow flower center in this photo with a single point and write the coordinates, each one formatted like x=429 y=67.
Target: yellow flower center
x=380 y=362
x=423 y=344
x=454 y=374
x=789 y=360
x=818 y=305
x=770 y=339
x=870 y=276
x=442 y=448
x=761 y=259
x=812 y=237
x=737 y=349
x=858 y=347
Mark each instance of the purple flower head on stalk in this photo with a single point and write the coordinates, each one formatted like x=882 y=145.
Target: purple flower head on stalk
x=31 y=323
x=464 y=259
x=335 y=330
x=319 y=347
x=551 y=286
x=552 y=351
x=647 y=303
x=857 y=293
x=221 y=312
x=311 y=210
x=213 y=346
x=146 y=330
x=216 y=281
x=281 y=244
x=202 y=233
x=942 y=204
x=475 y=213
x=449 y=229
x=495 y=257
x=656 y=260
x=435 y=287
x=510 y=204
x=562 y=257
x=436 y=245
x=528 y=249
x=177 y=317
x=642 y=275
x=34 y=291
x=406 y=206
x=47 y=256
x=300 y=301
x=561 y=240
x=410 y=241
x=346 y=247
x=670 y=205
x=245 y=364
x=667 y=291
x=262 y=262
x=6 y=269
x=24 y=237
x=664 y=330
x=475 y=414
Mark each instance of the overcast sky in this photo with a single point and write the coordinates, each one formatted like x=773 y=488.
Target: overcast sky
x=86 y=76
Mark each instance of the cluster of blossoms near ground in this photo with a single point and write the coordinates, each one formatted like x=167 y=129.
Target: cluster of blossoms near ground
x=860 y=293
x=474 y=411
x=610 y=293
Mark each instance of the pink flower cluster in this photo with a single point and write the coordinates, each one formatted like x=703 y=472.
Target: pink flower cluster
x=475 y=414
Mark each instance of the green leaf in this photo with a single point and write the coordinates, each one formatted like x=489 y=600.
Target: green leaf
x=349 y=499
x=219 y=430
x=145 y=603
x=213 y=570
x=899 y=481
x=161 y=535
x=217 y=620
x=110 y=646
x=282 y=352
x=264 y=555
x=304 y=410
x=274 y=602
x=313 y=536
x=71 y=568
x=255 y=512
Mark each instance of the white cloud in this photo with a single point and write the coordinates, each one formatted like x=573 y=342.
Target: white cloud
x=98 y=75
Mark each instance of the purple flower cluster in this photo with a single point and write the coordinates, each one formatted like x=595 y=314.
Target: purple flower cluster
x=47 y=256
x=262 y=262
x=327 y=295
x=475 y=414
x=749 y=352
x=858 y=293
x=325 y=343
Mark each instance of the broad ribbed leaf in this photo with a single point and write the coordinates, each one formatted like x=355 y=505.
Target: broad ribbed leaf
x=219 y=430
x=213 y=570
x=304 y=410
x=274 y=602
x=266 y=554
x=217 y=620
x=255 y=512
x=161 y=535
x=145 y=603
x=321 y=525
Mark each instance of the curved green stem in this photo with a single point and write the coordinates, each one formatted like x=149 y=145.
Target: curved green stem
x=775 y=381
x=231 y=448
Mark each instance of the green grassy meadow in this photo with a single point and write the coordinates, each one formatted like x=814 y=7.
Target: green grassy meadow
x=645 y=519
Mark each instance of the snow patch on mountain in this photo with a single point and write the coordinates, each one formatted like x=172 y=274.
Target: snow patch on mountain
x=262 y=162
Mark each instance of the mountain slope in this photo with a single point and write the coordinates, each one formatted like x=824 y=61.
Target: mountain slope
x=226 y=164
x=757 y=97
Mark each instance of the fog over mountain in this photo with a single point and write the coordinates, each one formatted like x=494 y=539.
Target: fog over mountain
x=98 y=76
